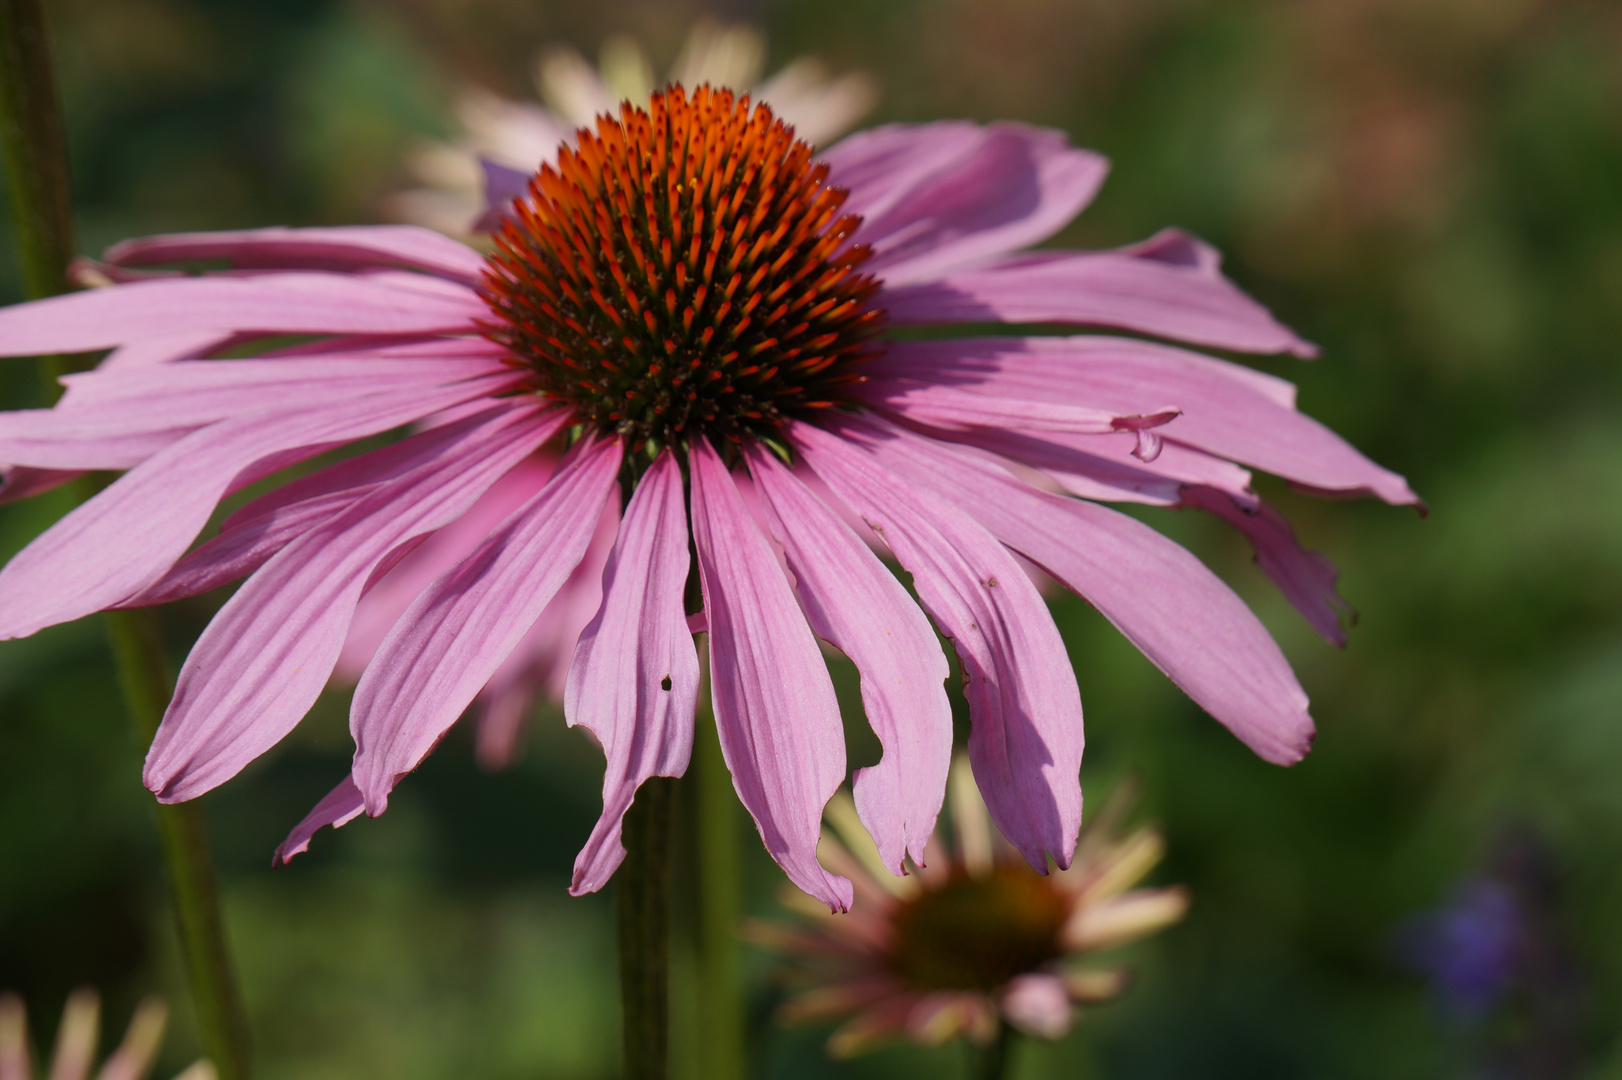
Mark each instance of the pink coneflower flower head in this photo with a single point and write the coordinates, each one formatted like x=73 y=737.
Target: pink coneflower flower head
x=690 y=298
x=76 y=1042
x=976 y=938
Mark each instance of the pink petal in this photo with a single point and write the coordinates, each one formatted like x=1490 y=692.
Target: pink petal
x=502 y=185
x=958 y=408
x=1138 y=289
x=393 y=346
x=388 y=599
x=1233 y=415
x=1012 y=187
x=307 y=303
x=126 y=537
x=249 y=537
x=214 y=389
x=1178 y=613
x=19 y=482
x=120 y=418
x=634 y=680
x=262 y=661
x=310 y=249
x=968 y=361
x=459 y=630
x=774 y=703
x=163 y=350
x=339 y=806
x=856 y=604
x=880 y=165
x=1026 y=736
x=1104 y=467
x=1306 y=578
x=1038 y=1004
x=539 y=665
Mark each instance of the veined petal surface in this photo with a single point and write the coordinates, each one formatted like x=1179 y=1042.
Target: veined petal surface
x=1025 y=709
x=459 y=630
x=291 y=303
x=634 y=680
x=857 y=605
x=774 y=704
x=262 y=661
x=327 y=248
x=1163 y=599
x=126 y=537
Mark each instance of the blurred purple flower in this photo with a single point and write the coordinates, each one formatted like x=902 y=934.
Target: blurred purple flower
x=1470 y=948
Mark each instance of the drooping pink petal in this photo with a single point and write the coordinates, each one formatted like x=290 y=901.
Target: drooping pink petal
x=1014 y=186
x=1163 y=599
x=1306 y=578
x=251 y=536
x=394 y=346
x=1104 y=467
x=120 y=418
x=338 y=807
x=126 y=537
x=944 y=405
x=1024 y=707
x=388 y=599
x=297 y=303
x=970 y=361
x=344 y=248
x=634 y=680
x=1233 y=415
x=21 y=482
x=459 y=630
x=880 y=165
x=774 y=703
x=162 y=350
x=1038 y=1004
x=208 y=390
x=539 y=665
x=856 y=604
x=1127 y=289
x=262 y=661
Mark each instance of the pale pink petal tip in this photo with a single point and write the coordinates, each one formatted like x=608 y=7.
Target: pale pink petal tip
x=1039 y=1005
x=338 y=807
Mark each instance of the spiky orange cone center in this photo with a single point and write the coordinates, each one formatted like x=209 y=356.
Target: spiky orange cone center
x=684 y=270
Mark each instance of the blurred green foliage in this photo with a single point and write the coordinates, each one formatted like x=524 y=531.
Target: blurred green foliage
x=1432 y=189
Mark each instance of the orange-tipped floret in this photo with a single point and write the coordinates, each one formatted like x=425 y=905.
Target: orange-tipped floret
x=683 y=270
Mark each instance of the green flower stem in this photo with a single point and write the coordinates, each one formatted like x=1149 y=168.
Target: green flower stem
x=994 y=1056
x=143 y=674
x=36 y=160
x=720 y=983
x=35 y=149
x=642 y=896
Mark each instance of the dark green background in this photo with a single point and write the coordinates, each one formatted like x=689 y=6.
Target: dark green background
x=1431 y=189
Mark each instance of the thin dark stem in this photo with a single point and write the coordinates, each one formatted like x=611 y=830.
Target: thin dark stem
x=35 y=153
x=994 y=1056
x=721 y=1042
x=35 y=150
x=642 y=894
x=138 y=651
